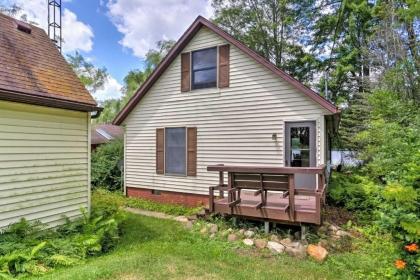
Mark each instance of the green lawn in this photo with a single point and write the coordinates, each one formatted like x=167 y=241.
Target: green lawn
x=163 y=249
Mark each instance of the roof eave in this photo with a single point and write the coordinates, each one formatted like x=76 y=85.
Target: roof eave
x=47 y=101
x=184 y=40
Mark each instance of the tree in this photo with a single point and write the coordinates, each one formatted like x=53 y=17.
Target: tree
x=92 y=77
x=276 y=29
x=16 y=11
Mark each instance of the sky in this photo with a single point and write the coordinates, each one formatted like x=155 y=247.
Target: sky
x=116 y=34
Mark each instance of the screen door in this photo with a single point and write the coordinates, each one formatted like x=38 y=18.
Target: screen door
x=300 y=151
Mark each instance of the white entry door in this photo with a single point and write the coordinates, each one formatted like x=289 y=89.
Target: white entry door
x=300 y=151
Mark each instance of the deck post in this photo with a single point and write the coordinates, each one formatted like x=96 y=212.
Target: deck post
x=303 y=231
x=211 y=200
x=221 y=183
x=266 y=227
x=292 y=197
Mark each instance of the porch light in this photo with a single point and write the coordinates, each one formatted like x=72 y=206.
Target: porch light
x=274 y=137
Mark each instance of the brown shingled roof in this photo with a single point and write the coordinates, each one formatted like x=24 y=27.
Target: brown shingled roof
x=33 y=69
x=103 y=133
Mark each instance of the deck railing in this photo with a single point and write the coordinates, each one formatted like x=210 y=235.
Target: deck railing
x=264 y=179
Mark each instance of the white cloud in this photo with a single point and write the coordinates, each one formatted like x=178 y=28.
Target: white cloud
x=77 y=34
x=144 y=22
x=111 y=89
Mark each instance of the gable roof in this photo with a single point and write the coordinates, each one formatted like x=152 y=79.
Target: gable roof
x=34 y=71
x=186 y=38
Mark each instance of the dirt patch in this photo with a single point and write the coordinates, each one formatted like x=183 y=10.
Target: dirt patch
x=337 y=216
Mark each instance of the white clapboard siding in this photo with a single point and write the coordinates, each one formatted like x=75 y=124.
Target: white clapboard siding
x=44 y=160
x=234 y=124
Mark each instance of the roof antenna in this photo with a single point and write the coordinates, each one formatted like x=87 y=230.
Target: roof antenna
x=326 y=85
x=54 y=22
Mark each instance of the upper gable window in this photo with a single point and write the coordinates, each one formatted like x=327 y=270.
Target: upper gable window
x=204 y=68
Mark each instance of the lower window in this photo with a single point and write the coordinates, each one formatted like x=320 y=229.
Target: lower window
x=175 y=151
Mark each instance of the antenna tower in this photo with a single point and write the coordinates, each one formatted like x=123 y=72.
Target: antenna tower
x=54 y=22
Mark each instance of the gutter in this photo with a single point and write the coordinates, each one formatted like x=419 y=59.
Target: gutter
x=47 y=101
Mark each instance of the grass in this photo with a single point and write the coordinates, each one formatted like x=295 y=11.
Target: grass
x=163 y=249
x=102 y=196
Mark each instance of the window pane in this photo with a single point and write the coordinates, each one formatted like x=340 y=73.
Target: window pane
x=204 y=59
x=299 y=137
x=299 y=140
x=205 y=77
x=175 y=151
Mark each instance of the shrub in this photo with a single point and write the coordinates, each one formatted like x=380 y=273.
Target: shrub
x=31 y=249
x=106 y=165
x=386 y=189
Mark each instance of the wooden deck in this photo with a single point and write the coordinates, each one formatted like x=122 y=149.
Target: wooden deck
x=268 y=193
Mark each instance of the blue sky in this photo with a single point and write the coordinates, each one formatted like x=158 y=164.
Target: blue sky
x=116 y=34
x=106 y=49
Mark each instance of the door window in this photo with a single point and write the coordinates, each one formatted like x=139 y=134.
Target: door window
x=299 y=139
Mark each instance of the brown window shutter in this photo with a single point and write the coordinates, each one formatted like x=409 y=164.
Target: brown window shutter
x=192 y=151
x=224 y=66
x=160 y=150
x=185 y=72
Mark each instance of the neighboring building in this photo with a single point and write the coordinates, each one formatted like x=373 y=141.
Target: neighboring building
x=45 y=115
x=104 y=133
x=211 y=101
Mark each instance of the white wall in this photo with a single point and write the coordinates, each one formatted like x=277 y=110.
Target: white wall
x=43 y=163
x=234 y=125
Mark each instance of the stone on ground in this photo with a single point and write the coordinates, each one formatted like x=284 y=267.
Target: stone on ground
x=274 y=238
x=232 y=237
x=286 y=241
x=260 y=243
x=204 y=230
x=189 y=225
x=297 y=252
x=248 y=242
x=213 y=228
x=249 y=233
x=181 y=219
x=275 y=247
x=317 y=252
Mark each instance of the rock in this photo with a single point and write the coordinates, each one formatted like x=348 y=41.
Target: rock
x=189 y=225
x=232 y=237
x=317 y=252
x=323 y=229
x=298 y=252
x=241 y=231
x=204 y=230
x=342 y=233
x=260 y=243
x=213 y=235
x=214 y=228
x=286 y=242
x=295 y=244
x=192 y=218
x=333 y=228
x=249 y=233
x=248 y=242
x=297 y=235
x=275 y=247
x=274 y=238
x=181 y=219
x=202 y=213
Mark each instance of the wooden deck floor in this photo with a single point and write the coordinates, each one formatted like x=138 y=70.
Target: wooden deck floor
x=276 y=208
